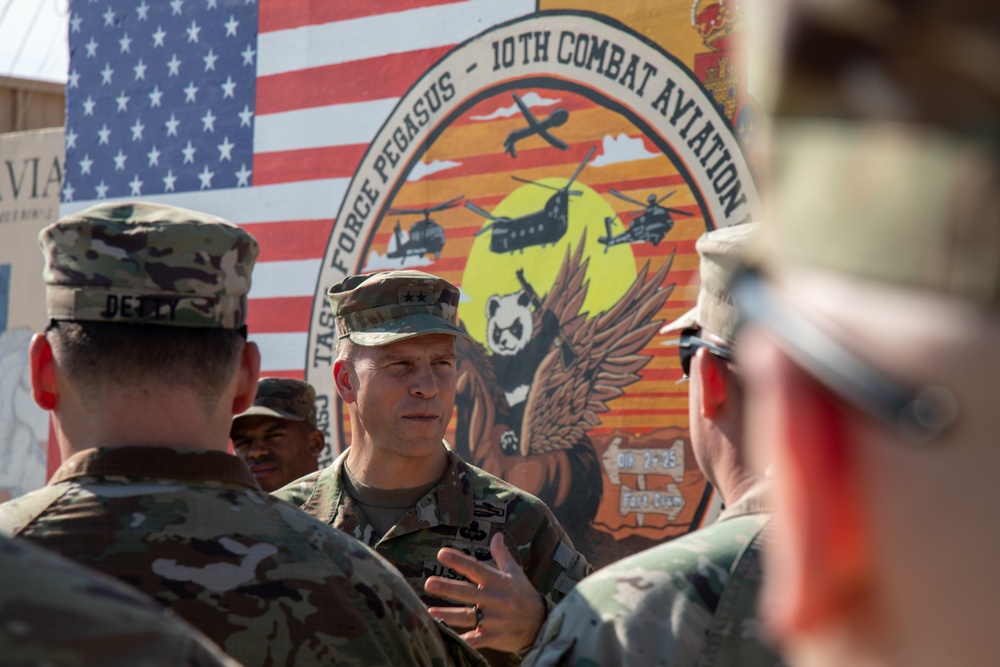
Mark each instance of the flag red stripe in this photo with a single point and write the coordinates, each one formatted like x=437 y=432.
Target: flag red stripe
x=280 y=315
x=287 y=14
x=307 y=164
x=341 y=162
x=291 y=240
x=356 y=81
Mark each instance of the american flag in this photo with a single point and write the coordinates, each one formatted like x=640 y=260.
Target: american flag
x=258 y=112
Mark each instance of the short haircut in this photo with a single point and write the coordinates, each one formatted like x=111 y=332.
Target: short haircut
x=99 y=355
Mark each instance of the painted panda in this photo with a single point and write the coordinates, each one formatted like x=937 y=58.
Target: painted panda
x=517 y=349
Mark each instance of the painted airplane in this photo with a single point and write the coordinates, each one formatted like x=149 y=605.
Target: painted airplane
x=535 y=127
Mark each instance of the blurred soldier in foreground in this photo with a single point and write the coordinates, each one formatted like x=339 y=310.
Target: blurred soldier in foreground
x=402 y=491
x=277 y=436
x=143 y=365
x=872 y=354
x=693 y=600
x=54 y=612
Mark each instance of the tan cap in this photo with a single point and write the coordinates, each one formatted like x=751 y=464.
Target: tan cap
x=385 y=307
x=721 y=252
x=283 y=398
x=906 y=205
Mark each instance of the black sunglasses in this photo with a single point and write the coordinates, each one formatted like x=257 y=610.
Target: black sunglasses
x=919 y=415
x=690 y=342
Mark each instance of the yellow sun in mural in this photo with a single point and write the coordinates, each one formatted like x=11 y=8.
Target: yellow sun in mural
x=487 y=273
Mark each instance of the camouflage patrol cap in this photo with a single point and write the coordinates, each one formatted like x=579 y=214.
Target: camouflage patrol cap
x=283 y=398
x=140 y=263
x=385 y=307
x=931 y=61
x=721 y=252
x=905 y=205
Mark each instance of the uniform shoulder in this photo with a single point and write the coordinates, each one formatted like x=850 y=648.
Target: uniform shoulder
x=660 y=601
x=17 y=513
x=299 y=491
x=52 y=609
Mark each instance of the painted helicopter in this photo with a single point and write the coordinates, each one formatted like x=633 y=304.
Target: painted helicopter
x=536 y=127
x=425 y=236
x=649 y=224
x=539 y=228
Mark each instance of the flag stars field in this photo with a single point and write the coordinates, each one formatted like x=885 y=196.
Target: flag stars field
x=124 y=58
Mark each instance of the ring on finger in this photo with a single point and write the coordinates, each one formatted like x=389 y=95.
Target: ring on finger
x=479 y=617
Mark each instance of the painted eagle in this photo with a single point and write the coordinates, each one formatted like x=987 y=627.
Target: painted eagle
x=542 y=445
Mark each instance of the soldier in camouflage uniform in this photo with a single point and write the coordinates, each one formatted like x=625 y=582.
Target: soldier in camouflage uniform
x=692 y=601
x=143 y=365
x=277 y=436
x=54 y=612
x=399 y=489
x=872 y=351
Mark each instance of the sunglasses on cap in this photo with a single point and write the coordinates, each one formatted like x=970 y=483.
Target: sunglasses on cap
x=919 y=415
x=688 y=345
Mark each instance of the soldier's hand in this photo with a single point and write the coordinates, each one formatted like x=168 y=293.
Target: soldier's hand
x=512 y=610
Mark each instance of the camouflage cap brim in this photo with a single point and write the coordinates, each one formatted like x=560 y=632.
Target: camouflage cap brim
x=411 y=326
x=685 y=321
x=264 y=411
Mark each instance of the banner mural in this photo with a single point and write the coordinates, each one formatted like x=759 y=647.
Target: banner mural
x=558 y=168
x=556 y=160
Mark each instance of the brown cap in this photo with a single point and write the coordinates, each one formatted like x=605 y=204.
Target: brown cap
x=283 y=398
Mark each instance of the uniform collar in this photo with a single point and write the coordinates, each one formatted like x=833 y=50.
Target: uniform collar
x=182 y=465
x=448 y=503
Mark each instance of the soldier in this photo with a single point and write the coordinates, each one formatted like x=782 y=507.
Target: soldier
x=143 y=365
x=871 y=358
x=691 y=601
x=402 y=491
x=54 y=612
x=277 y=436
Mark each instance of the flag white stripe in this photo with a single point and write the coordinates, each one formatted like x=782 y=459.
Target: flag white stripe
x=382 y=34
x=285 y=279
x=337 y=125
x=281 y=351
x=302 y=200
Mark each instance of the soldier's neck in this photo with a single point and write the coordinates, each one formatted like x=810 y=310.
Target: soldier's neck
x=380 y=469
x=140 y=418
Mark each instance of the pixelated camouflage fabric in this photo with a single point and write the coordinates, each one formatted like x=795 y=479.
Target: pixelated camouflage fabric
x=57 y=613
x=268 y=583
x=690 y=602
x=381 y=308
x=283 y=398
x=462 y=511
x=147 y=264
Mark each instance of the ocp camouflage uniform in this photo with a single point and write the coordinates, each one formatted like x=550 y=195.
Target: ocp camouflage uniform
x=54 y=612
x=191 y=528
x=268 y=583
x=462 y=511
x=690 y=602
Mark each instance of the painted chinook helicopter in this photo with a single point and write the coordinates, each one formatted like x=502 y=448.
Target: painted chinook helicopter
x=539 y=228
x=425 y=236
x=649 y=224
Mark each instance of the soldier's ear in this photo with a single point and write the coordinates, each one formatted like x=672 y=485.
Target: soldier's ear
x=713 y=379
x=818 y=560
x=345 y=381
x=44 y=387
x=246 y=380
x=316 y=442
